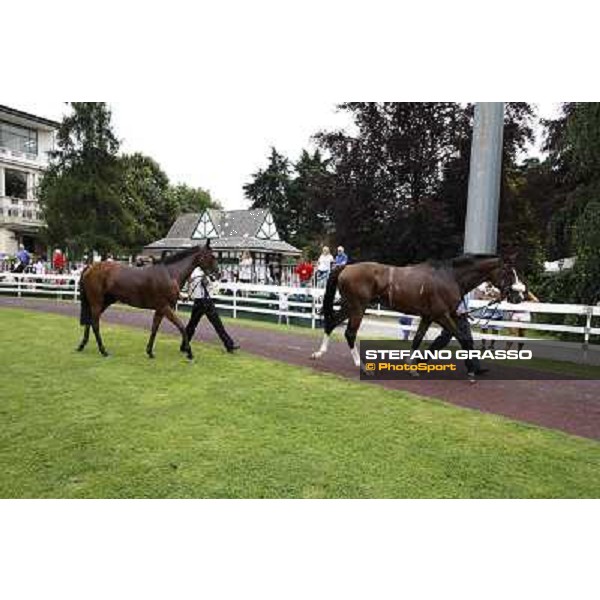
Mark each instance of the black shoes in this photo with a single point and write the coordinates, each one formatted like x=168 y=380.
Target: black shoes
x=482 y=371
x=232 y=349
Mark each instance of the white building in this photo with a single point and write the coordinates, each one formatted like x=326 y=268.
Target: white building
x=25 y=141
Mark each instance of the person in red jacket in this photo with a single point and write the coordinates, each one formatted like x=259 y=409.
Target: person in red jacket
x=58 y=261
x=304 y=271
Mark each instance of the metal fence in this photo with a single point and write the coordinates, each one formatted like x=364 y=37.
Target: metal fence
x=304 y=303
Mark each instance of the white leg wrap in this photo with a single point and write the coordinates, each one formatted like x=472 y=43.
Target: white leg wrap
x=323 y=348
x=355 y=356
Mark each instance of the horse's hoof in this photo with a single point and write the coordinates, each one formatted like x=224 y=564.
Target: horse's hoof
x=190 y=356
x=79 y=349
x=315 y=355
x=150 y=355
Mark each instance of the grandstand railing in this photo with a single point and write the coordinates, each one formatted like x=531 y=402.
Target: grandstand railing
x=304 y=303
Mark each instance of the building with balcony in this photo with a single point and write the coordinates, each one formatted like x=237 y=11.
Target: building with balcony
x=25 y=141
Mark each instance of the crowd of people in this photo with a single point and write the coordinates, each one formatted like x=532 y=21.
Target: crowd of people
x=27 y=262
x=326 y=261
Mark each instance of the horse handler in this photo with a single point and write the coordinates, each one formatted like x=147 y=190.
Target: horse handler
x=464 y=328
x=204 y=305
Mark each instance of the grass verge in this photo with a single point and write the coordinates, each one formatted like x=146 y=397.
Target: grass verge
x=79 y=426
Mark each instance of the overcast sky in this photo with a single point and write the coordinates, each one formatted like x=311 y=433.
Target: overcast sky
x=216 y=144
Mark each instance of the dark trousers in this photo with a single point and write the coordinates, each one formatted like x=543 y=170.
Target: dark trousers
x=206 y=306
x=464 y=328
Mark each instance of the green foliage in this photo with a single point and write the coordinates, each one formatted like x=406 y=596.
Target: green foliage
x=128 y=427
x=186 y=199
x=92 y=199
x=587 y=246
x=573 y=142
x=295 y=194
x=147 y=197
x=81 y=193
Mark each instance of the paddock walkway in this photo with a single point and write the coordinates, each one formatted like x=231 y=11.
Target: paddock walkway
x=567 y=405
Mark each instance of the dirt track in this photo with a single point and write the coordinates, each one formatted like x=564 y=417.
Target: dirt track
x=570 y=406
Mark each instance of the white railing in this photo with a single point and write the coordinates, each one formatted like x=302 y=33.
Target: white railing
x=304 y=303
x=30 y=284
x=20 y=209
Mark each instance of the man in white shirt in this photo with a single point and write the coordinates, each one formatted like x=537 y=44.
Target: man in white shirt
x=204 y=305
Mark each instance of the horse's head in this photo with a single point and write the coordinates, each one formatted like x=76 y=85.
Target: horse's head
x=504 y=277
x=206 y=260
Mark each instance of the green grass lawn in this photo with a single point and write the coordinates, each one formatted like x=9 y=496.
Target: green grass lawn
x=77 y=425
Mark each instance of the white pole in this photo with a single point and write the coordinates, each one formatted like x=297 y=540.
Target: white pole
x=481 y=226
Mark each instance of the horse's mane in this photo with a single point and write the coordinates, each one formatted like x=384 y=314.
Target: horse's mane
x=464 y=260
x=173 y=258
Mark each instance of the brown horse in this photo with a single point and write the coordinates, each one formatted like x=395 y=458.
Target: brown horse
x=154 y=287
x=430 y=290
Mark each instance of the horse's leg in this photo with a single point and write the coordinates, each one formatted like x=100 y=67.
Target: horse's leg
x=85 y=339
x=351 y=333
x=340 y=317
x=170 y=314
x=420 y=334
x=96 y=312
x=156 y=321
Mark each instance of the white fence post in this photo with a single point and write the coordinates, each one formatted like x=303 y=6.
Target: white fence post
x=587 y=328
x=313 y=312
x=19 y=285
x=235 y=302
x=75 y=288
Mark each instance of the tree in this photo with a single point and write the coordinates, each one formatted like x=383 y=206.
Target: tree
x=587 y=251
x=148 y=199
x=386 y=201
x=270 y=188
x=81 y=192
x=186 y=199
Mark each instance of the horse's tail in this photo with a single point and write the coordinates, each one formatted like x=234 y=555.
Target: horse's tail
x=328 y=299
x=85 y=315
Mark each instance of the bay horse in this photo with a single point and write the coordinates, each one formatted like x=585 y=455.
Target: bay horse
x=155 y=287
x=431 y=290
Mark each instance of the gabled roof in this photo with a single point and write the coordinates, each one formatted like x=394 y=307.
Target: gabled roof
x=228 y=223
x=236 y=229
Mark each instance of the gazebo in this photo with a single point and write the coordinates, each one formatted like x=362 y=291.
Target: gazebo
x=231 y=232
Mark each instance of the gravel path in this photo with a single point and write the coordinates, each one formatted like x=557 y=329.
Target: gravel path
x=567 y=405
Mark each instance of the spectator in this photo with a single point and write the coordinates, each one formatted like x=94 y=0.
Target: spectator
x=405 y=322
x=520 y=316
x=324 y=266
x=304 y=271
x=246 y=267
x=58 y=261
x=23 y=259
x=284 y=307
x=341 y=258
x=39 y=268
